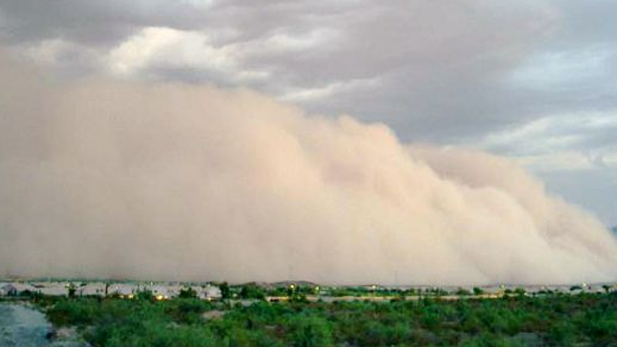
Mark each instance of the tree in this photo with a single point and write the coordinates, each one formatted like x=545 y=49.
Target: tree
x=145 y=295
x=72 y=290
x=187 y=293
x=462 y=292
x=252 y=291
x=309 y=331
x=225 y=291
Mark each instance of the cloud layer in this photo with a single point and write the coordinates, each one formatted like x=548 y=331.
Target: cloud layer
x=104 y=178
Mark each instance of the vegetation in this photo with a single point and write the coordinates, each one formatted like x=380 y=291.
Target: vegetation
x=583 y=319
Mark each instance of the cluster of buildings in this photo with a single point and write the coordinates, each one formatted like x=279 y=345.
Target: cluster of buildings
x=161 y=291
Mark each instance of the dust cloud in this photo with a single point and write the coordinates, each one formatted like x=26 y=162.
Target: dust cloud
x=117 y=179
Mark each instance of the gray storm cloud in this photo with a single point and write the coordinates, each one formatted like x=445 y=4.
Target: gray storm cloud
x=103 y=178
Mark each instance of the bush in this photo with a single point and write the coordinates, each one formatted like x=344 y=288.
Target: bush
x=309 y=331
x=187 y=293
x=252 y=291
x=555 y=320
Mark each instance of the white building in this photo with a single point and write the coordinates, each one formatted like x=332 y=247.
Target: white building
x=209 y=292
x=91 y=289
x=7 y=289
x=16 y=288
x=53 y=288
x=123 y=289
x=160 y=292
x=173 y=290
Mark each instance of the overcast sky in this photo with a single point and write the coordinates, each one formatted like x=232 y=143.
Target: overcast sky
x=530 y=79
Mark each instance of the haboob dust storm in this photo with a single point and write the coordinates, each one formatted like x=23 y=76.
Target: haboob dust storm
x=101 y=178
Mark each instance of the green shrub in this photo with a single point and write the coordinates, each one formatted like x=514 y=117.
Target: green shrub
x=309 y=331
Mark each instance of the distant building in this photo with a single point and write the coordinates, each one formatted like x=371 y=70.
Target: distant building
x=212 y=292
x=17 y=289
x=207 y=292
x=8 y=289
x=160 y=292
x=123 y=289
x=53 y=288
x=91 y=289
